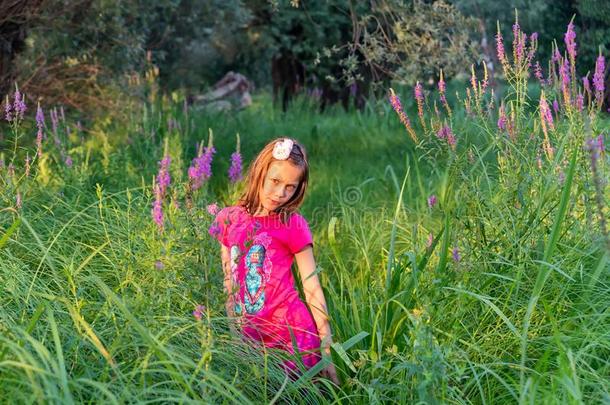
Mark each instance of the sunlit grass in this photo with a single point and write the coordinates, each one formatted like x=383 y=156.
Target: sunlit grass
x=96 y=304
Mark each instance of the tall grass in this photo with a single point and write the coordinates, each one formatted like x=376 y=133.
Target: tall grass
x=496 y=293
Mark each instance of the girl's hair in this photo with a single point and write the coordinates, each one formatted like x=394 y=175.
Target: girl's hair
x=258 y=171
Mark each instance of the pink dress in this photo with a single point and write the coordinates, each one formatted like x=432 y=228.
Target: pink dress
x=264 y=295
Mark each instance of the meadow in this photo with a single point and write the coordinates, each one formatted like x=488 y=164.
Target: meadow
x=462 y=246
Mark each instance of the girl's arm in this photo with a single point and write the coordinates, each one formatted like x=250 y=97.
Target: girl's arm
x=315 y=299
x=314 y=295
x=226 y=268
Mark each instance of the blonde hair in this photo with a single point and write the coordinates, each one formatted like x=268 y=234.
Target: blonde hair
x=258 y=171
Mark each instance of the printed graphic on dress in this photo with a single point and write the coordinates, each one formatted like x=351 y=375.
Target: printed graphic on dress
x=237 y=305
x=254 y=294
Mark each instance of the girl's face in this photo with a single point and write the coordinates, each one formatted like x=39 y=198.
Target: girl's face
x=279 y=185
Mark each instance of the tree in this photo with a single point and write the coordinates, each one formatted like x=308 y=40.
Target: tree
x=75 y=46
x=349 y=45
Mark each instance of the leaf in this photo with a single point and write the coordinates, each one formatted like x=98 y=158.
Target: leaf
x=341 y=348
x=9 y=232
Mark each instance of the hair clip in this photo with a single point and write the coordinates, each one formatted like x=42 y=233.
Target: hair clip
x=282 y=149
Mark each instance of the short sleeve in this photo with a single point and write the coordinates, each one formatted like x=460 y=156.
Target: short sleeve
x=299 y=234
x=219 y=227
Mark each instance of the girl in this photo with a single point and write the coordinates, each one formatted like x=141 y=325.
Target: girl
x=260 y=237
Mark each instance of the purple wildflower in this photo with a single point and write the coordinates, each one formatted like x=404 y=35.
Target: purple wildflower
x=545 y=112
x=157 y=210
x=502 y=119
x=556 y=56
x=446 y=133
x=8 y=108
x=68 y=161
x=198 y=312
x=455 y=254
x=432 y=201
x=419 y=97
x=546 y=121
x=518 y=43
x=580 y=102
x=235 y=170
x=516 y=31
x=214 y=229
x=570 y=40
x=500 y=48
x=212 y=209
x=598 y=78
x=395 y=102
x=442 y=88
x=18 y=200
x=556 y=107
x=160 y=189
x=19 y=105
x=532 y=48
x=442 y=132
x=201 y=167
x=163 y=178
x=62 y=114
x=159 y=265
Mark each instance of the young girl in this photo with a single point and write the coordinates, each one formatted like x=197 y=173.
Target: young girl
x=260 y=237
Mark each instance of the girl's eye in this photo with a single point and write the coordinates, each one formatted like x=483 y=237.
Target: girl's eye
x=290 y=188
x=275 y=181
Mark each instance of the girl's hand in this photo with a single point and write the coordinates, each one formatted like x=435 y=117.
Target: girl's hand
x=331 y=373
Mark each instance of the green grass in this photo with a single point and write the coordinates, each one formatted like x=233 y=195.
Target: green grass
x=86 y=315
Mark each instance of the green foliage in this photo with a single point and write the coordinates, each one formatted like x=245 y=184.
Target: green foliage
x=594 y=23
x=431 y=37
x=549 y=19
x=342 y=43
x=497 y=292
x=72 y=49
x=96 y=303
